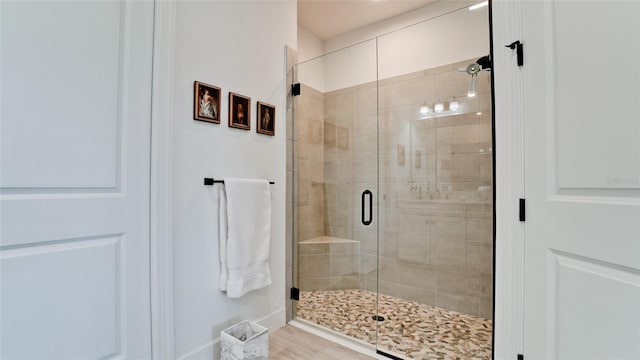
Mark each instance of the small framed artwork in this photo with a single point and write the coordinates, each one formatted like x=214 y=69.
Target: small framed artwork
x=239 y=111
x=266 y=119
x=206 y=102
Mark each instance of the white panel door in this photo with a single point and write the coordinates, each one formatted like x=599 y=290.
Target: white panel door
x=582 y=179
x=74 y=179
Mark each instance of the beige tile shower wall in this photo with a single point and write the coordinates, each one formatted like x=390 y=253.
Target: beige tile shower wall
x=439 y=253
x=435 y=189
x=309 y=195
x=351 y=166
x=329 y=263
x=435 y=186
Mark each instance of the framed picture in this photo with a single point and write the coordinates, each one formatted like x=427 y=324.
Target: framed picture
x=266 y=119
x=206 y=102
x=239 y=111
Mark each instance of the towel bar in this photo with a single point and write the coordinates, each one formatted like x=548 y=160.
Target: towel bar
x=211 y=181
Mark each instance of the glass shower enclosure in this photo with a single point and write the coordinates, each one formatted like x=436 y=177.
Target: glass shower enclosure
x=392 y=198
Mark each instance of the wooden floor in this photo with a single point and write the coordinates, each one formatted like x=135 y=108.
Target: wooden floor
x=291 y=343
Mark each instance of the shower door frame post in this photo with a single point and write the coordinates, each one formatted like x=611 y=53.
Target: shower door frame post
x=505 y=20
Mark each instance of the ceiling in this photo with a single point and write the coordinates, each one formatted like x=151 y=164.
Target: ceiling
x=327 y=19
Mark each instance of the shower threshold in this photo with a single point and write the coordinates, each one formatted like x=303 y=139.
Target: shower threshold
x=338 y=338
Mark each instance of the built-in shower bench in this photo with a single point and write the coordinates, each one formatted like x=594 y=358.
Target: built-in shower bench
x=328 y=263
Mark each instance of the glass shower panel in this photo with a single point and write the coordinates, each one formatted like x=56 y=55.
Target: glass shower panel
x=335 y=191
x=436 y=190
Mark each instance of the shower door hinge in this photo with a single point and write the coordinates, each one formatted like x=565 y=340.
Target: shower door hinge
x=522 y=214
x=295 y=293
x=520 y=357
x=518 y=47
x=295 y=89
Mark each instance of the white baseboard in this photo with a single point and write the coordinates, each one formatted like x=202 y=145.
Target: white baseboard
x=274 y=320
x=205 y=351
x=211 y=350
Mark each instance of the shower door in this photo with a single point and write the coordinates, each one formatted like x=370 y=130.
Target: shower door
x=335 y=174
x=436 y=187
x=393 y=190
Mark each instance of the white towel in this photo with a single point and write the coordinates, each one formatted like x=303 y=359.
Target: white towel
x=245 y=236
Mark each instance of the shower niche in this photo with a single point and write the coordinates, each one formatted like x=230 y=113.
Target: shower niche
x=392 y=190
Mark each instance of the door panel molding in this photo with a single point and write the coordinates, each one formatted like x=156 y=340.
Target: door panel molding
x=575 y=94
x=91 y=285
x=619 y=189
x=578 y=307
x=99 y=82
x=605 y=196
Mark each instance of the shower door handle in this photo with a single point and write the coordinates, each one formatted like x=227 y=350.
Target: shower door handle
x=370 y=194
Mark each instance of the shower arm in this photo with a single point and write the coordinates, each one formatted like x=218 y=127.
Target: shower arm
x=473 y=86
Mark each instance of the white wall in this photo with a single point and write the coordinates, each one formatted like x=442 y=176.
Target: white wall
x=395 y=23
x=351 y=66
x=309 y=45
x=240 y=47
x=311 y=68
x=447 y=39
x=434 y=35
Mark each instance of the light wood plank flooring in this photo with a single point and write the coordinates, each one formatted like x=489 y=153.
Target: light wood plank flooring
x=291 y=343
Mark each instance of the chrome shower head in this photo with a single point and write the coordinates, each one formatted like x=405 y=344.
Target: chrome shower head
x=473 y=69
x=483 y=63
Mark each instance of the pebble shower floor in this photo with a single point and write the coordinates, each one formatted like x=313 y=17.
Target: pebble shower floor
x=410 y=329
